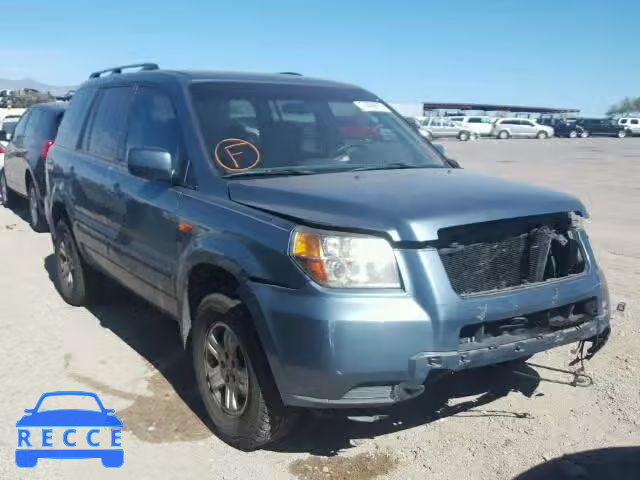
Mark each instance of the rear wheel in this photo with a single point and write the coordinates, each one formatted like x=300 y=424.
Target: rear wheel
x=584 y=134
x=233 y=378
x=74 y=279
x=622 y=133
x=541 y=135
x=503 y=135
x=573 y=134
x=464 y=136
x=36 y=218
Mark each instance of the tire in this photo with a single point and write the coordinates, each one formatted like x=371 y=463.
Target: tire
x=503 y=135
x=9 y=199
x=255 y=416
x=622 y=134
x=474 y=136
x=573 y=134
x=74 y=278
x=584 y=134
x=541 y=135
x=36 y=218
x=464 y=136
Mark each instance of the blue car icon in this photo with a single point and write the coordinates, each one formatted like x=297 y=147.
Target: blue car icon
x=29 y=440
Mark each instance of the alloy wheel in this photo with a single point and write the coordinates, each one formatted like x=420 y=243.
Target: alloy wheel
x=33 y=207
x=66 y=268
x=225 y=363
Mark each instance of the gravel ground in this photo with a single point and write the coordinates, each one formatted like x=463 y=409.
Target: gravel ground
x=488 y=423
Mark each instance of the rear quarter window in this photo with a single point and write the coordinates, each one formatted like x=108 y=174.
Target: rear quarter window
x=71 y=125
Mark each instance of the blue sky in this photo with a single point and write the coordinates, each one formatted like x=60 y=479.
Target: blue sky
x=565 y=53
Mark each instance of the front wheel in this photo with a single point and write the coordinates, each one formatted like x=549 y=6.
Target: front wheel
x=463 y=136
x=573 y=134
x=541 y=135
x=622 y=134
x=503 y=135
x=8 y=197
x=584 y=134
x=233 y=378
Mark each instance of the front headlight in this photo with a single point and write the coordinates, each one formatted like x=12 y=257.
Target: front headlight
x=341 y=260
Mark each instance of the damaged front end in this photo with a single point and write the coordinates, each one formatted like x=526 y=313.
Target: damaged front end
x=494 y=256
x=512 y=266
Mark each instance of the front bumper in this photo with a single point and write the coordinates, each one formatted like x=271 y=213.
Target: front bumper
x=329 y=348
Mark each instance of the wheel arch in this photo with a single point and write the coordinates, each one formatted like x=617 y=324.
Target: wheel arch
x=211 y=273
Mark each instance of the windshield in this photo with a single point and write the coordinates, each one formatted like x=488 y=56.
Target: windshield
x=254 y=129
x=69 y=402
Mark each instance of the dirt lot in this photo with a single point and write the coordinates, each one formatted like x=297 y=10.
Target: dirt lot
x=484 y=424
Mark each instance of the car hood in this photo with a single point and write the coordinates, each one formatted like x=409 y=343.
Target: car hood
x=407 y=205
x=69 y=418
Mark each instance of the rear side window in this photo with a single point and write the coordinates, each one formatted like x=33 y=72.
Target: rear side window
x=43 y=124
x=474 y=120
x=105 y=137
x=634 y=121
x=154 y=123
x=623 y=121
x=22 y=125
x=526 y=122
x=71 y=125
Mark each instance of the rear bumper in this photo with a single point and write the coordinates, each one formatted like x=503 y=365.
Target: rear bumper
x=332 y=349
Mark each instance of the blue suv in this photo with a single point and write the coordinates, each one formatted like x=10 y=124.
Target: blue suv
x=315 y=250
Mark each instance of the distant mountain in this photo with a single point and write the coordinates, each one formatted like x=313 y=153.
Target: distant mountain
x=6 y=84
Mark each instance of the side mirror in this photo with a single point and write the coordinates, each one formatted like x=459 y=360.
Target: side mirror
x=453 y=163
x=4 y=136
x=151 y=163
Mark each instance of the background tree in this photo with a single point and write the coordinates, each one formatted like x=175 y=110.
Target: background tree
x=627 y=105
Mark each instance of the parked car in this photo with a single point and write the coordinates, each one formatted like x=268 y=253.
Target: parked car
x=632 y=124
x=562 y=128
x=480 y=125
x=520 y=127
x=23 y=173
x=9 y=124
x=602 y=127
x=3 y=146
x=442 y=127
x=307 y=269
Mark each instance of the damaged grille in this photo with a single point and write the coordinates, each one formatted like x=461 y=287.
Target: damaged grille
x=499 y=255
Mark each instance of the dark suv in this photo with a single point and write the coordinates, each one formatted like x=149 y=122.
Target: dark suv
x=563 y=128
x=313 y=247
x=602 y=127
x=24 y=158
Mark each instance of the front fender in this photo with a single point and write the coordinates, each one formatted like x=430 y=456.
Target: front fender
x=248 y=260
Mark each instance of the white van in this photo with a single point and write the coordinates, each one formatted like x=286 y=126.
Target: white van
x=630 y=123
x=480 y=125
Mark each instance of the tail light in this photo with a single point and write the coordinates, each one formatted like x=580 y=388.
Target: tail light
x=44 y=148
x=1 y=149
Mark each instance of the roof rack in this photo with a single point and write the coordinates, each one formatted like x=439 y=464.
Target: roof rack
x=291 y=73
x=116 y=70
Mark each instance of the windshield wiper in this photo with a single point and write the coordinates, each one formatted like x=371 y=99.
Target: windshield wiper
x=270 y=172
x=388 y=166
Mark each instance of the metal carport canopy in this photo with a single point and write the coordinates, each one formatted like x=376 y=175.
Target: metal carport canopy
x=488 y=107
